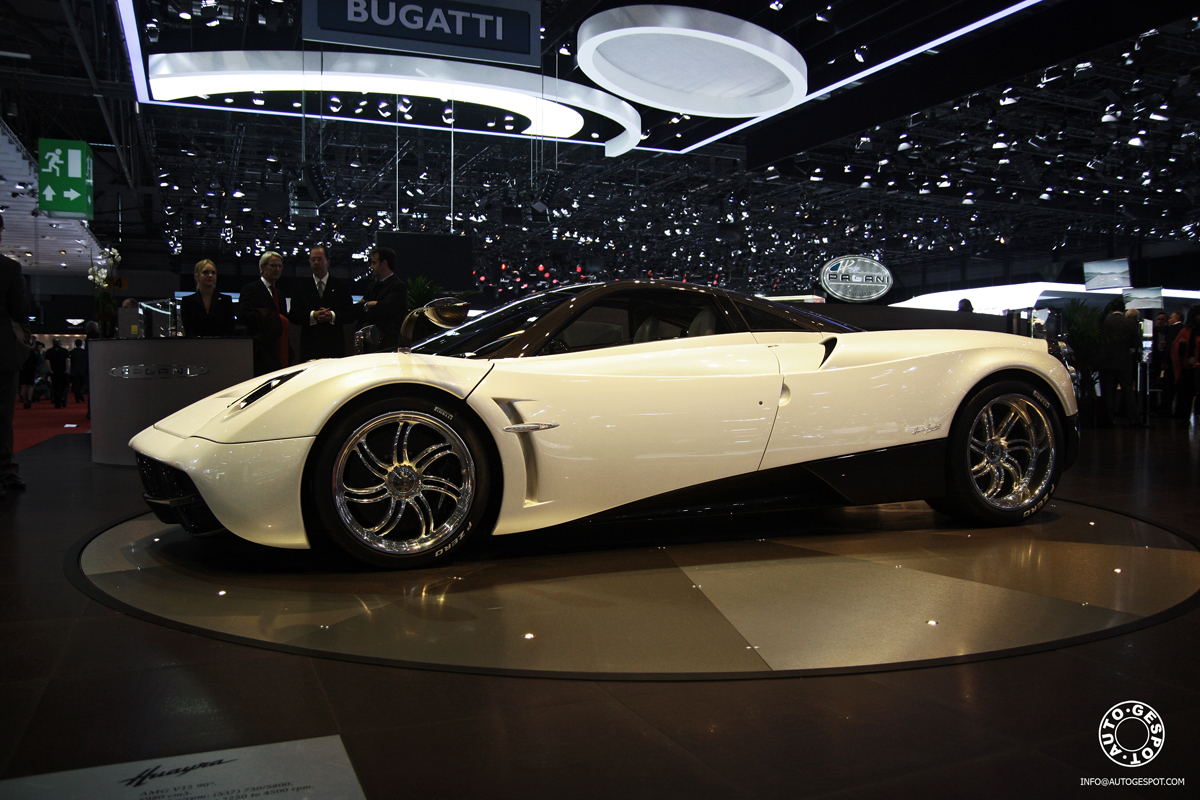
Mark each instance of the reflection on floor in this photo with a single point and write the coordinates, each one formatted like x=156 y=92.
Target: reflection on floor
x=908 y=587
x=82 y=684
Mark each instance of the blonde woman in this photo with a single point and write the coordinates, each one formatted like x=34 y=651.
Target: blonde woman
x=207 y=312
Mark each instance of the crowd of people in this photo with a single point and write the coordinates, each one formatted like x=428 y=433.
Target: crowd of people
x=55 y=374
x=320 y=307
x=1173 y=353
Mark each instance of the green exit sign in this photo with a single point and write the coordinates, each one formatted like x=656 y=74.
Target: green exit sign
x=65 y=179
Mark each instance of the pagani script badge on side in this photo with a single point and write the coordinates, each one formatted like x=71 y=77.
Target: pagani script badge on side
x=856 y=279
x=158 y=371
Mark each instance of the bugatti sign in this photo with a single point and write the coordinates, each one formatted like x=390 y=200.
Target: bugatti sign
x=505 y=31
x=856 y=279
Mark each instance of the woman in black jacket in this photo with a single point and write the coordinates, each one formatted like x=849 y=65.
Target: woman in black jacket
x=207 y=312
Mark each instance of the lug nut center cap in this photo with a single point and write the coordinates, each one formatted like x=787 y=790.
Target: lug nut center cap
x=403 y=481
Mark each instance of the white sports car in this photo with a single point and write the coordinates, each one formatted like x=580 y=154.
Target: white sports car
x=610 y=400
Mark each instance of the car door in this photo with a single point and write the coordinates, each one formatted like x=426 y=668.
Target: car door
x=646 y=396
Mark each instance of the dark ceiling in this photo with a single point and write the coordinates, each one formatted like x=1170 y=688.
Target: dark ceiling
x=1065 y=131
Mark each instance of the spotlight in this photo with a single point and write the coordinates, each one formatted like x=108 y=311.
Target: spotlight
x=152 y=31
x=860 y=54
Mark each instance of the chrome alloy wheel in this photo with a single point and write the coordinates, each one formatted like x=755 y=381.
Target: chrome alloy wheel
x=1012 y=452
x=404 y=482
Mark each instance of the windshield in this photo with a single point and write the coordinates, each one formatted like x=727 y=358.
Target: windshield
x=488 y=332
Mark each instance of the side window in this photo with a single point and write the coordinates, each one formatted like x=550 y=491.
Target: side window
x=601 y=325
x=639 y=316
x=774 y=317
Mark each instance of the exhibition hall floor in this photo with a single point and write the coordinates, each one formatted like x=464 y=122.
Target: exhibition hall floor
x=1038 y=636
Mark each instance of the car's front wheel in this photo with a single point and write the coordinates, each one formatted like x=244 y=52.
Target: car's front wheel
x=402 y=483
x=1004 y=455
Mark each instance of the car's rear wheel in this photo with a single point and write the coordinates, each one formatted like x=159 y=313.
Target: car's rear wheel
x=1004 y=456
x=403 y=482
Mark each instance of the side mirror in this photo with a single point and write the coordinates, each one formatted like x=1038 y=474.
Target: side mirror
x=445 y=312
x=366 y=339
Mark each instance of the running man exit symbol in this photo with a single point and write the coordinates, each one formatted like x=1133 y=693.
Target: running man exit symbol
x=65 y=178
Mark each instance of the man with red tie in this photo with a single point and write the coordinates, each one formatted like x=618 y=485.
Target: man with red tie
x=263 y=308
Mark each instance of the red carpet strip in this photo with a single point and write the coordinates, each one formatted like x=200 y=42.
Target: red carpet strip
x=42 y=420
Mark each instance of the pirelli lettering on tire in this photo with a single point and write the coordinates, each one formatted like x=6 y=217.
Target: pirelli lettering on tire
x=1029 y=512
x=450 y=546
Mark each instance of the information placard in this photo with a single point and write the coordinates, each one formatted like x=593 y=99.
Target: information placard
x=305 y=768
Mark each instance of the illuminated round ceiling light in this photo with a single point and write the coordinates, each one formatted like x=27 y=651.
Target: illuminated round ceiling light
x=546 y=102
x=691 y=61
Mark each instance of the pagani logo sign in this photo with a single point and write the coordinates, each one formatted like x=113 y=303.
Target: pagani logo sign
x=856 y=279
x=139 y=371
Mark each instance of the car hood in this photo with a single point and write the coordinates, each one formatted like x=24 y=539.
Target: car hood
x=308 y=394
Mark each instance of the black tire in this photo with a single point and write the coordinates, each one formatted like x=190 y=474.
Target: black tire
x=403 y=482
x=1004 y=456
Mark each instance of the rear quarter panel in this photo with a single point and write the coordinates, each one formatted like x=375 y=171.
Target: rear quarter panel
x=885 y=389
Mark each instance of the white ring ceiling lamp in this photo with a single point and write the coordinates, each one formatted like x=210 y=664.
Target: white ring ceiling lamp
x=545 y=101
x=691 y=61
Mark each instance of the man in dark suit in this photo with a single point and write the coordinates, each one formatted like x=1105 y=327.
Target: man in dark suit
x=14 y=308
x=263 y=309
x=59 y=359
x=1121 y=338
x=321 y=307
x=386 y=302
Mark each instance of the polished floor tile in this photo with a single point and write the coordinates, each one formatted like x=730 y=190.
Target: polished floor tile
x=596 y=750
x=108 y=717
